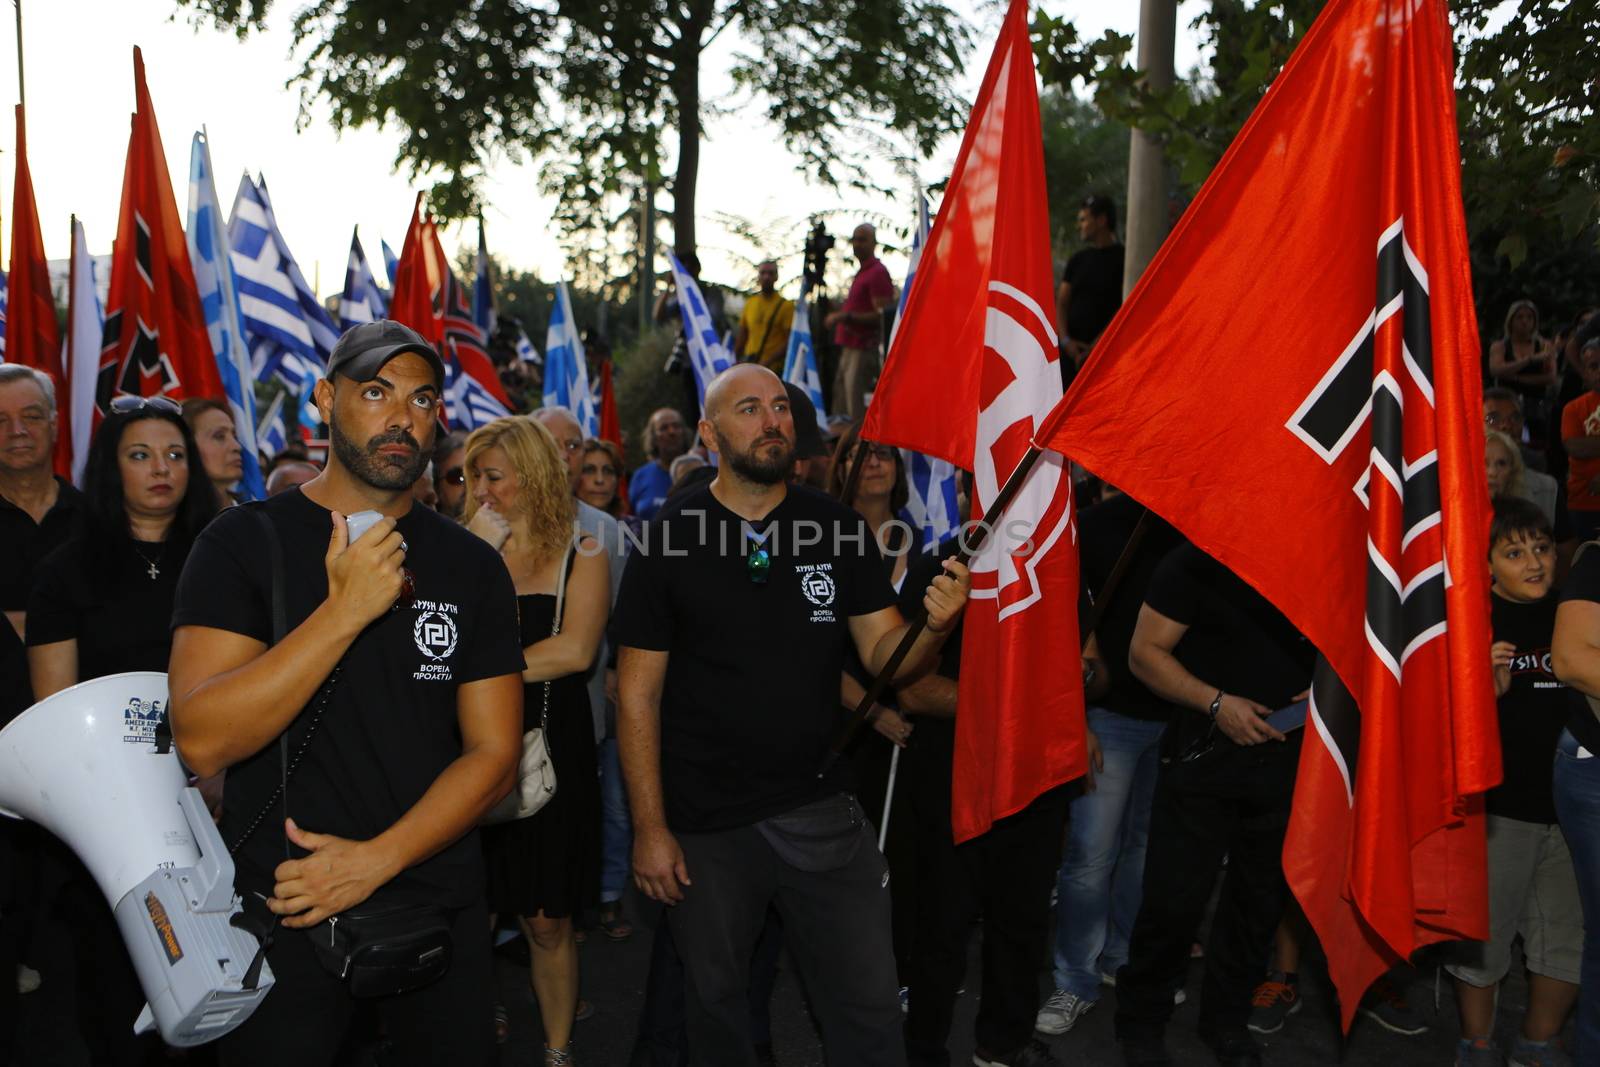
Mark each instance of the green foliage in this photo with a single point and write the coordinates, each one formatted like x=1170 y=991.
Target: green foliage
x=598 y=91
x=1525 y=104
x=1084 y=154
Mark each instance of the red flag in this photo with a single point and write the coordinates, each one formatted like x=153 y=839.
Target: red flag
x=32 y=335
x=460 y=330
x=416 y=280
x=972 y=371
x=155 y=341
x=1294 y=384
x=611 y=426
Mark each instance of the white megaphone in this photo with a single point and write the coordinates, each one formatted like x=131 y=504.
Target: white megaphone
x=93 y=765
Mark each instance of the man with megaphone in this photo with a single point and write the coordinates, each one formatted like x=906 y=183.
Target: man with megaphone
x=363 y=744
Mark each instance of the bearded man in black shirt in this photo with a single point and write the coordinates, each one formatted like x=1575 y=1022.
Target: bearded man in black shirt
x=733 y=622
x=407 y=640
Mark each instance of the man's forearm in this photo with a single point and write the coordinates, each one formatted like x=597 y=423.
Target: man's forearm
x=924 y=654
x=932 y=697
x=1160 y=670
x=639 y=749
x=229 y=717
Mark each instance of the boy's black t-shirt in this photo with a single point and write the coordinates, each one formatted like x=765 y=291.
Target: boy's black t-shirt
x=751 y=697
x=1532 y=712
x=1236 y=639
x=1583 y=584
x=390 y=726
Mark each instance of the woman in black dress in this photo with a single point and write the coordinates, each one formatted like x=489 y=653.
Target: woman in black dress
x=545 y=869
x=102 y=604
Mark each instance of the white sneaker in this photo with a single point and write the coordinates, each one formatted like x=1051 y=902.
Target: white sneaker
x=28 y=979
x=1061 y=1012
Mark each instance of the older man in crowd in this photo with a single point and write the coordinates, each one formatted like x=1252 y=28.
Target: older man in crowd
x=665 y=439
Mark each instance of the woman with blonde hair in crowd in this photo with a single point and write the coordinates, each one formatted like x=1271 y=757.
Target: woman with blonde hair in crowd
x=545 y=868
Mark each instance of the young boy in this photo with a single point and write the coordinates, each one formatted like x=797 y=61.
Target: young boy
x=1532 y=889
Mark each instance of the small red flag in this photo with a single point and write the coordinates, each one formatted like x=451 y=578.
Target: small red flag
x=1294 y=384
x=32 y=336
x=611 y=426
x=416 y=281
x=972 y=371
x=155 y=341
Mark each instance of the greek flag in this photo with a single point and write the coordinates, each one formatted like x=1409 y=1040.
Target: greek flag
x=391 y=262
x=566 y=371
x=709 y=355
x=482 y=288
x=932 y=503
x=800 y=365
x=81 y=346
x=362 y=300
x=289 y=331
x=272 y=434
x=470 y=405
x=3 y=290
x=219 y=301
x=525 y=350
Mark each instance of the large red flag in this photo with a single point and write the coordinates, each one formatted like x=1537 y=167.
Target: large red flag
x=155 y=341
x=972 y=371
x=416 y=280
x=1294 y=384
x=32 y=336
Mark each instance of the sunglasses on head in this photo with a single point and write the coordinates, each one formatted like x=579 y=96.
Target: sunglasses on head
x=126 y=405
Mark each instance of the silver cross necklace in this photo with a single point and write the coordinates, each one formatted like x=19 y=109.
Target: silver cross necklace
x=154 y=570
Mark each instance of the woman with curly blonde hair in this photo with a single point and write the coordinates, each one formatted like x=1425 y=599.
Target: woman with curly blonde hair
x=545 y=869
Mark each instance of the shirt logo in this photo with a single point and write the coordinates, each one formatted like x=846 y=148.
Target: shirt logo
x=816 y=582
x=435 y=635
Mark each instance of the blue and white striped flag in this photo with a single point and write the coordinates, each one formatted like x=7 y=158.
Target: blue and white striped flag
x=272 y=433
x=932 y=503
x=525 y=350
x=362 y=300
x=4 y=290
x=391 y=262
x=800 y=364
x=709 y=354
x=289 y=331
x=219 y=301
x=483 y=288
x=566 y=371
x=469 y=403
x=80 y=348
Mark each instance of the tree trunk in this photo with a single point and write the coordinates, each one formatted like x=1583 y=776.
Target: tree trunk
x=1147 y=159
x=686 y=88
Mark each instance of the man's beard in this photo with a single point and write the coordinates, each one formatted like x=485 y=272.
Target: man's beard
x=753 y=466
x=380 y=471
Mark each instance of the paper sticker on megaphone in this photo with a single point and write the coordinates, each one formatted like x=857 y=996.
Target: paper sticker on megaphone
x=91 y=764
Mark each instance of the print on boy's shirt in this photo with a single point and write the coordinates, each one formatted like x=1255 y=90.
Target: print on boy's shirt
x=1536 y=661
x=435 y=634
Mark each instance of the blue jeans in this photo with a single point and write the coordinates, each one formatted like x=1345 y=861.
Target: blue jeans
x=616 y=828
x=1102 y=874
x=1577 y=793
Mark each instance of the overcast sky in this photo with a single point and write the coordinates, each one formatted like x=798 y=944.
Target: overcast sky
x=79 y=65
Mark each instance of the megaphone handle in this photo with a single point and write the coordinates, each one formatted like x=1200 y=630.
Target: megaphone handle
x=215 y=869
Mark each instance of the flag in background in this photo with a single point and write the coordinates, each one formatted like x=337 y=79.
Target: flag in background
x=709 y=354
x=525 y=350
x=289 y=331
x=468 y=404
x=32 y=336
x=155 y=340
x=972 y=371
x=391 y=262
x=1345 y=481
x=272 y=433
x=932 y=482
x=566 y=369
x=483 y=313
x=219 y=302
x=800 y=360
x=3 y=296
x=362 y=300
x=85 y=327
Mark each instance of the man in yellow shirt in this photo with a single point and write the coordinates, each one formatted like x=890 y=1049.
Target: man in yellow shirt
x=763 y=334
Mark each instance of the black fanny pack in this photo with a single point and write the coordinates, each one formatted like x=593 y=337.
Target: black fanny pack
x=384 y=951
x=821 y=836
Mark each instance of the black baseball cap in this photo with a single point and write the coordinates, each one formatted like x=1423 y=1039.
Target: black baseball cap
x=807 y=437
x=363 y=350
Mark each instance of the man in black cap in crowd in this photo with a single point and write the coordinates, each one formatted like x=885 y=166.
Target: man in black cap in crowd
x=398 y=684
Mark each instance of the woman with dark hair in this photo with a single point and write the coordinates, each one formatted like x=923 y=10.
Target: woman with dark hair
x=600 y=477
x=1523 y=359
x=104 y=599
x=217 y=441
x=102 y=604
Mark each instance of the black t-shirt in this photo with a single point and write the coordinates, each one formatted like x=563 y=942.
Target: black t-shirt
x=751 y=697
x=16 y=696
x=1583 y=584
x=1236 y=640
x=1095 y=275
x=931 y=750
x=390 y=726
x=123 y=625
x=24 y=544
x=1103 y=532
x=1532 y=712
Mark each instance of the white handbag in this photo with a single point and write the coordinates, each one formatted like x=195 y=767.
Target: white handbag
x=536 y=772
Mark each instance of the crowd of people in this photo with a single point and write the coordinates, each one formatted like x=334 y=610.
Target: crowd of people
x=681 y=654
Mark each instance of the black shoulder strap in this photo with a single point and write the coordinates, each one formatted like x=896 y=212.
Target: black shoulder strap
x=280 y=613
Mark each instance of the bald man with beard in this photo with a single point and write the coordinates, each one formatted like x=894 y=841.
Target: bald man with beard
x=732 y=624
